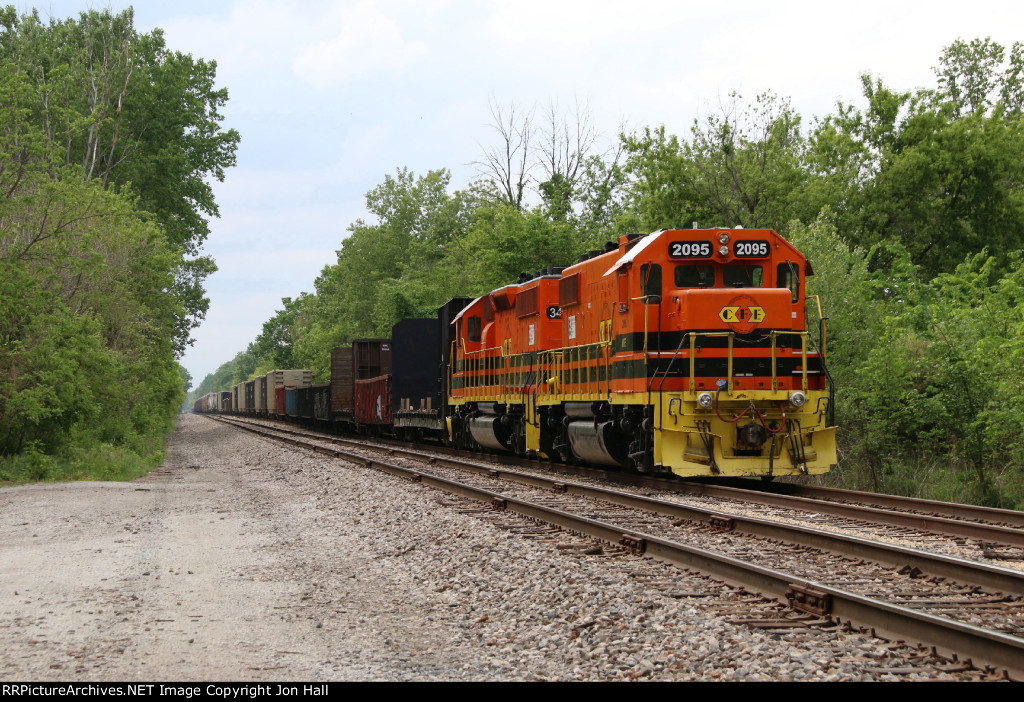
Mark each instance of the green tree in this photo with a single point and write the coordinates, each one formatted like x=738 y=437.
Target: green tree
x=132 y=114
x=504 y=242
x=405 y=264
x=96 y=296
x=128 y=110
x=972 y=76
x=744 y=166
x=86 y=324
x=659 y=191
x=274 y=347
x=601 y=198
x=940 y=171
x=747 y=162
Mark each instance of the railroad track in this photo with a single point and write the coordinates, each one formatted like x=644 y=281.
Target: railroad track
x=961 y=530
x=954 y=607
x=973 y=513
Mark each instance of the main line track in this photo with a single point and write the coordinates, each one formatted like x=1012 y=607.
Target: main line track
x=991 y=529
x=904 y=620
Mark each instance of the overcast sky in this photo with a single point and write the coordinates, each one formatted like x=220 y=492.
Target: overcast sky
x=331 y=95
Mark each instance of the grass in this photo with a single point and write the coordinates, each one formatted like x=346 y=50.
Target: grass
x=942 y=478
x=101 y=462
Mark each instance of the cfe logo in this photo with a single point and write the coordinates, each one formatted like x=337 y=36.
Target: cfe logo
x=742 y=312
x=741 y=315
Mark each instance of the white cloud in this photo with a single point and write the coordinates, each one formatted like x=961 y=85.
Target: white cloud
x=367 y=42
x=288 y=271
x=255 y=36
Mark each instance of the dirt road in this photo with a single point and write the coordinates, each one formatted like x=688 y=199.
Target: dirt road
x=216 y=566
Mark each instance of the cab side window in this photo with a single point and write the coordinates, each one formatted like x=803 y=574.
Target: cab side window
x=473 y=329
x=787 y=275
x=650 y=279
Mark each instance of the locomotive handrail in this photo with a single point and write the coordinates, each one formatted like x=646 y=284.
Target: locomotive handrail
x=823 y=339
x=556 y=363
x=822 y=324
x=475 y=368
x=774 y=334
x=498 y=374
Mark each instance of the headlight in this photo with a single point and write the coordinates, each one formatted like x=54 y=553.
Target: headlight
x=723 y=238
x=723 y=250
x=705 y=400
x=797 y=399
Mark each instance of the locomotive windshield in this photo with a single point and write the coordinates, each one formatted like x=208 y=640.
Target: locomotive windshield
x=742 y=276
x=695 y=276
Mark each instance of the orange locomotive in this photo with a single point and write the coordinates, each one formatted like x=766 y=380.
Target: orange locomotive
x=682 y=351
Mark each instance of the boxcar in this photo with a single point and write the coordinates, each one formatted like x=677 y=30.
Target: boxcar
x=259 y=394
x=304 y=402
x=371 y=358
x=373 y=401
x=322 y=402
x=280 y=402
x=291 y=402
x=279 y=380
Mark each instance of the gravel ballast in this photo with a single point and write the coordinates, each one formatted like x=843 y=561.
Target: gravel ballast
x=240 y=559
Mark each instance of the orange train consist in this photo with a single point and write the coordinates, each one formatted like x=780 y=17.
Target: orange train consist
x=682 y=351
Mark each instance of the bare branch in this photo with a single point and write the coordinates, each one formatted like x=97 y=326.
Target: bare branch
x=567 y=140
x=507 y=165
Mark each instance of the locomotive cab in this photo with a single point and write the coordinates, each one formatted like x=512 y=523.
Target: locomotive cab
x=738 y=386
x=494 y=374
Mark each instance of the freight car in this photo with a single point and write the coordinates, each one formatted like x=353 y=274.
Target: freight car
x=682 y=351
x=206 y=404
x=421 y=350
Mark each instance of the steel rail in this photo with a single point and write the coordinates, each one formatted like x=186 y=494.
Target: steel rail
x=934 y=524
x=948 y=509
x=981 y=646
x=967 y=572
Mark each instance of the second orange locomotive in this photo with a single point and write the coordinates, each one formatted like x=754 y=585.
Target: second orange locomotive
x=683 y=351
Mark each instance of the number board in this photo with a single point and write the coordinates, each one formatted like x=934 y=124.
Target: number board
x=750 y=249
x=689 y=249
